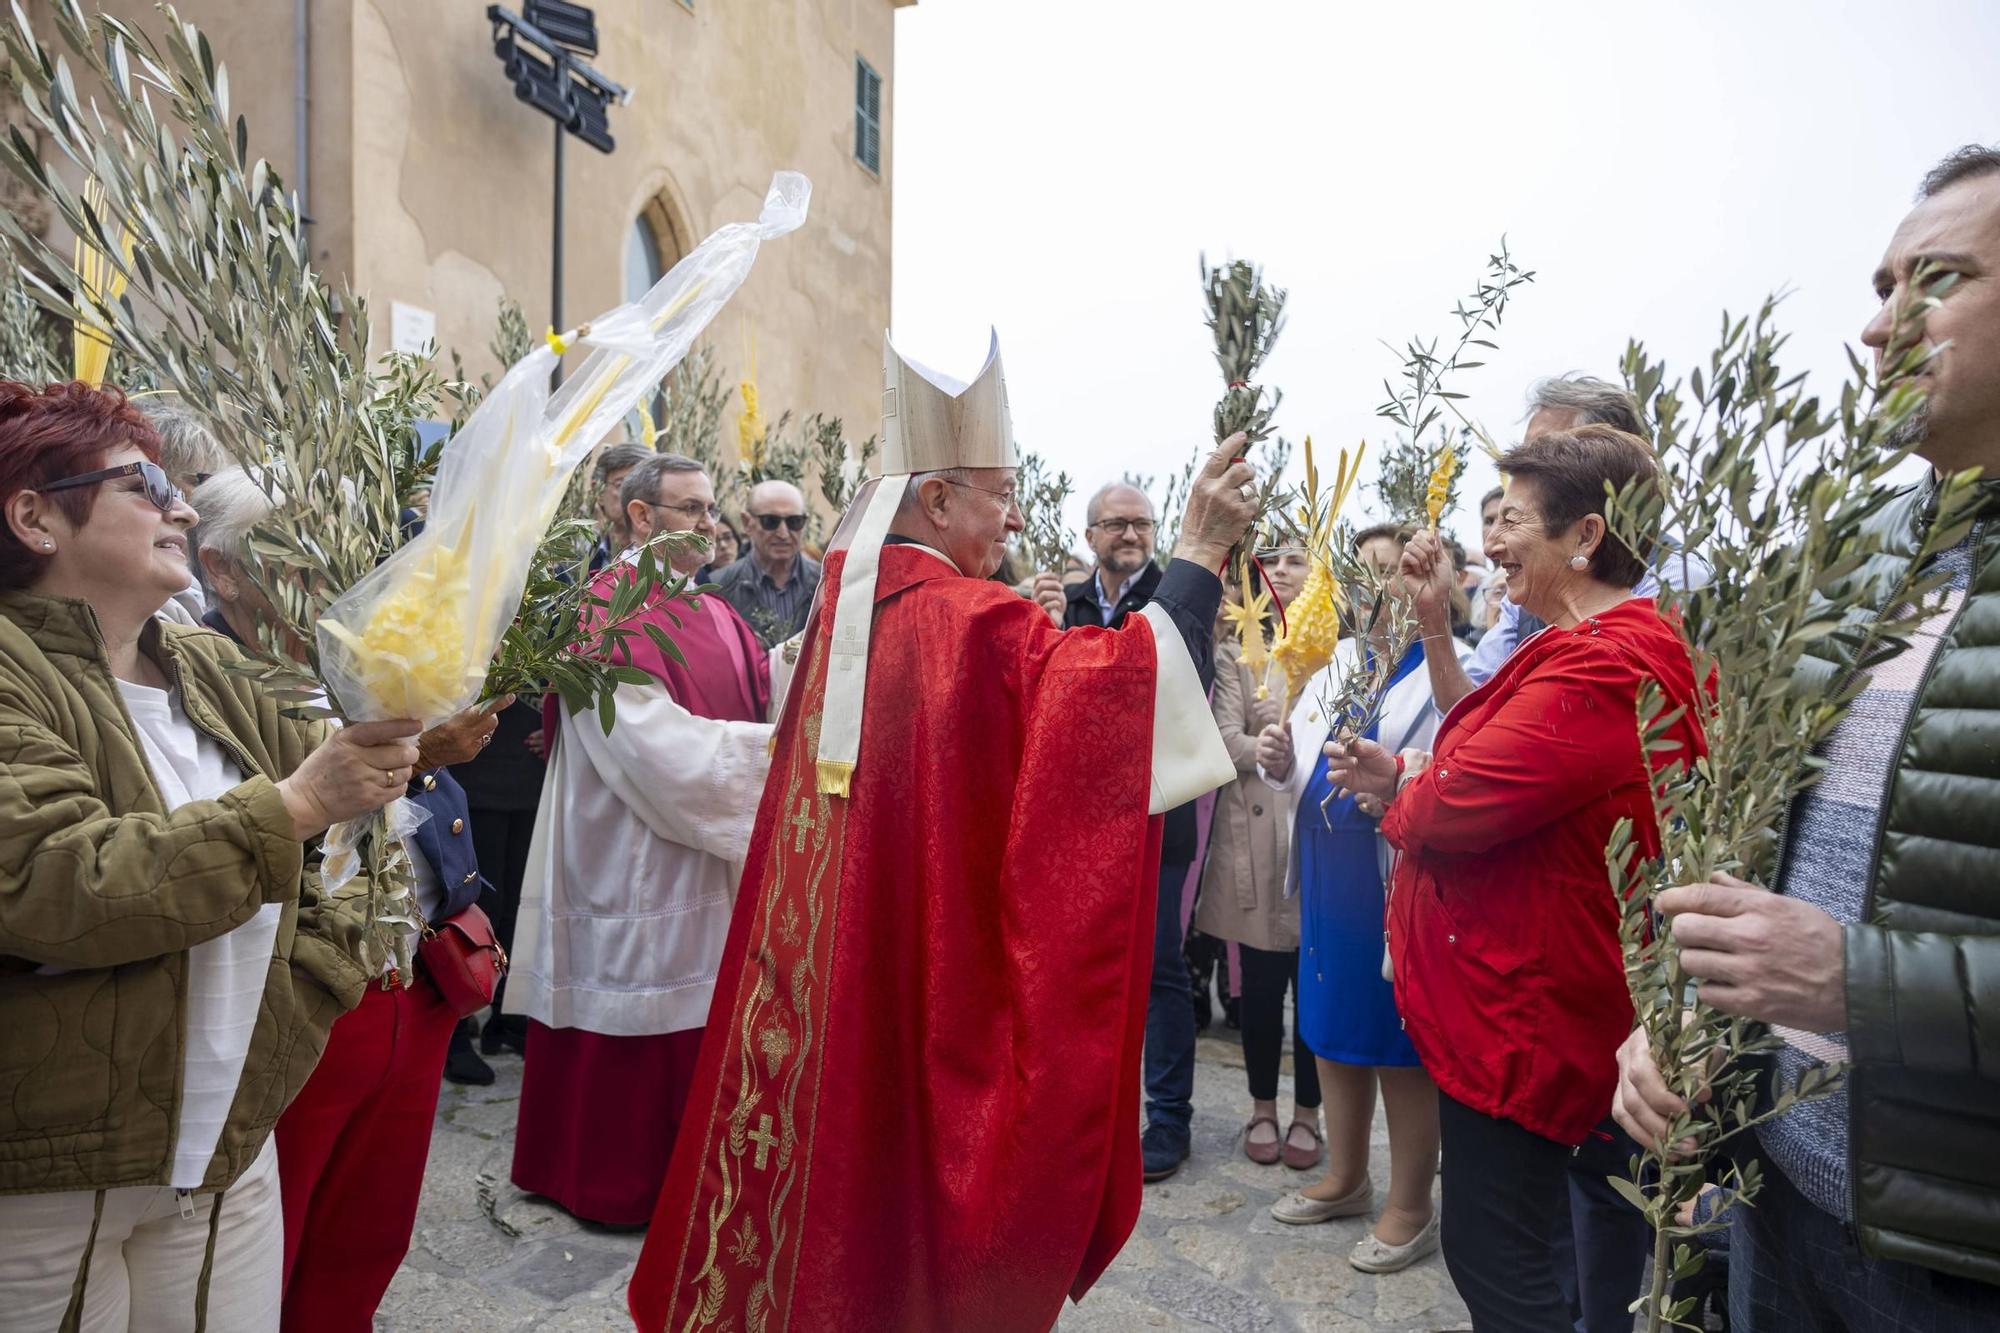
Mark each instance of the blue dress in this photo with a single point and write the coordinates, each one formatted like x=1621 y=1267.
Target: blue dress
x=1347 y=1012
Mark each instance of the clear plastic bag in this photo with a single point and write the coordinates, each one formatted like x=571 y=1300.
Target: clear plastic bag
x=413 y=638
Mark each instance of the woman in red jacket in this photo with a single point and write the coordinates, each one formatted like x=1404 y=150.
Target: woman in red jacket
x=1502 y=926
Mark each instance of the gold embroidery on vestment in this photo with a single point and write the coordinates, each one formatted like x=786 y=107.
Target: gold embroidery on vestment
x=762 y=1030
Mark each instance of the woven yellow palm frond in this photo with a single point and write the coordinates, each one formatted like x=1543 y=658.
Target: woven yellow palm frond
x=102 y=282
x=1312 y=628
x=1312 y=621
x=409 y=651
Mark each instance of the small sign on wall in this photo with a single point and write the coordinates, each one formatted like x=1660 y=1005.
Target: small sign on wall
x=412 y=328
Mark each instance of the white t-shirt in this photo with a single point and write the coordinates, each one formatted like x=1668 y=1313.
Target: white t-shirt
x=226 y=975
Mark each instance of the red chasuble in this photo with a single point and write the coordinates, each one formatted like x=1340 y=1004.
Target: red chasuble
x=917 y=1102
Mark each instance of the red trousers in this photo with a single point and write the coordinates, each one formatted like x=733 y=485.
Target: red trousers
x=351 y=1153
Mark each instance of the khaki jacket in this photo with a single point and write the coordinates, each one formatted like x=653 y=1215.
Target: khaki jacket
x=102 y=893
x=1243 y=885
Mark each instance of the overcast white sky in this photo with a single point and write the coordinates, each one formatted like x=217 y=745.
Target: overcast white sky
x=1059 y=165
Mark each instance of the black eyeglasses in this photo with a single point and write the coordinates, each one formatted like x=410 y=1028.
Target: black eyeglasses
x=159 y=490
x=1111 y=527
x=796 y=522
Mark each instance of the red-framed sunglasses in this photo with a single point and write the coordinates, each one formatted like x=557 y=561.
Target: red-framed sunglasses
x=159 y=490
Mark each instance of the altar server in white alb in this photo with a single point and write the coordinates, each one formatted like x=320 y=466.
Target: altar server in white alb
x=632 y=875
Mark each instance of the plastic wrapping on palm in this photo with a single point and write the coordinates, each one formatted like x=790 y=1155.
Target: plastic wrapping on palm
x=414 y=637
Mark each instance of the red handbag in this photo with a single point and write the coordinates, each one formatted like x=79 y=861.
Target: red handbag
x=463 y=959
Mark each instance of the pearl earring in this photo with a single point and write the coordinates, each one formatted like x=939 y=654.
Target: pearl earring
x=1579 y=562
x=48 y=545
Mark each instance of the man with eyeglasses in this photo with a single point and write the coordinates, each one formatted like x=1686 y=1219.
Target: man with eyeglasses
x=1121 y=531
x=772 y=586
x=632 y=873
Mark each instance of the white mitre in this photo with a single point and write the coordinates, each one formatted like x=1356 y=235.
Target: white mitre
x=930 y=422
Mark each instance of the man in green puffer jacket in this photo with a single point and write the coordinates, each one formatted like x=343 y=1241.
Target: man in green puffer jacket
x=1882 y=945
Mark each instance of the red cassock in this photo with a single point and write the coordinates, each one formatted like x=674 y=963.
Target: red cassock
x=917 y=1102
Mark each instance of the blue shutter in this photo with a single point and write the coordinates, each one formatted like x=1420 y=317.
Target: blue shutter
x=867 y=116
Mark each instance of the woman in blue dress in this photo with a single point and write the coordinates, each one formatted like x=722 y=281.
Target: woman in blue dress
x=1347 y=1009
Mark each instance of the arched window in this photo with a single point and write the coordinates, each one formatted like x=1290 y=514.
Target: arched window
x=652 y=246
x=642 y=259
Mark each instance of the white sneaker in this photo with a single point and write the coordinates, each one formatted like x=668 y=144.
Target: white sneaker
x=1376 y=1256
x=1299 y=1211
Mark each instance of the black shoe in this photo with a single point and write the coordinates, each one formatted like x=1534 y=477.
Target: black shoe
x=504 y=1033
x=1161 y=1151
x=463 y=1065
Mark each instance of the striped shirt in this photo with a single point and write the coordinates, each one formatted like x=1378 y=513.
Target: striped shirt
x=1830 y=865
x=774 y=613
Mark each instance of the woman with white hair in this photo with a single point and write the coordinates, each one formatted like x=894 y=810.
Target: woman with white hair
x=189 y=455
x=352 y=1146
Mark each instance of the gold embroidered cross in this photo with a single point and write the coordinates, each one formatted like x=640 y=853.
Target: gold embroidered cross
x=765 y=1141
x=802 y=823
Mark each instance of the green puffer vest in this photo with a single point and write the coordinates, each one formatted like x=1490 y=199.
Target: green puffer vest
x=1923 y=965
x=102 y=892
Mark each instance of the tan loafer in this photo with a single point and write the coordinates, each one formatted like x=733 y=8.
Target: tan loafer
x=1374 y=1256
x=1295 y=1209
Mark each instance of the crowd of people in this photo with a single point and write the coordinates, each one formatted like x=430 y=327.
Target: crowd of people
x=214 y=1113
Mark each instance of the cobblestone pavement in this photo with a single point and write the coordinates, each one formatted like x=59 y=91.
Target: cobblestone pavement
x=1206 y=1254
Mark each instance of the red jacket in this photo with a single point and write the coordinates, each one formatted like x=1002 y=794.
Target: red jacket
x=1502 y=926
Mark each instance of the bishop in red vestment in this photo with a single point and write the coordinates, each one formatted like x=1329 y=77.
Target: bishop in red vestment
x=632 y=876
x=917 y=1101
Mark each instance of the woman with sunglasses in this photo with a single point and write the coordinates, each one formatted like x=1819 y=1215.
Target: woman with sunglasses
x=168 y=967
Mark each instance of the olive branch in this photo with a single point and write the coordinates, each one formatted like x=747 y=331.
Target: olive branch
x=1775 y=490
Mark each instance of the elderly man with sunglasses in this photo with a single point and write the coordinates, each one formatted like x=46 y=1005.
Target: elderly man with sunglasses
x=772 y=585
x=632 y=871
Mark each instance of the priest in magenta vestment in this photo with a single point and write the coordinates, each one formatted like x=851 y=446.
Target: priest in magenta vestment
x=917 y=1101
x=631 y=877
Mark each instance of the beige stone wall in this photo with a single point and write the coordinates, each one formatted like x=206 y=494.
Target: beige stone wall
x=430 y=183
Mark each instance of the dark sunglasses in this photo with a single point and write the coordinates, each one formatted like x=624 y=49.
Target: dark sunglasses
x=159 y=490
x=796 y=522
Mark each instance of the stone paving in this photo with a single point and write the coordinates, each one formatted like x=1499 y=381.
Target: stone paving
x=1206 y=1254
